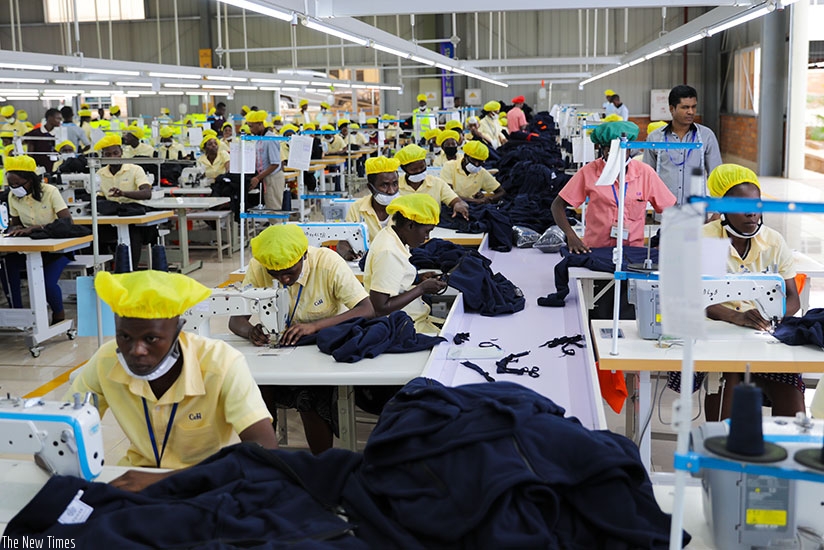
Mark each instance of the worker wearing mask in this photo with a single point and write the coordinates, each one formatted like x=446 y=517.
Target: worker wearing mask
x=415 y=180
x=324 y=116
x=430 y=136
x=133 y=146
x=490 y=127
x=448 y=142
x=515 y=118
x=388 y=276
x=470 y=180
x=288 y=130
x=422 y=117
x=66 y=150
x=337 y=145
x=86 y=121
x=303 y=115
x=158 y=379
x=115 y=122
x=214 y=161
x=382 y=181
x=324 y=292
x=456 y=126
x=268 y=166
x=169 y=149
x=371 y=130
x=12 y=124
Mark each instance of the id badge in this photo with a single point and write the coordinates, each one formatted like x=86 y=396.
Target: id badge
x=613 y=233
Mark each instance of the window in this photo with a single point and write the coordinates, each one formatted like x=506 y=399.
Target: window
x=61 y=11
x=747 y=80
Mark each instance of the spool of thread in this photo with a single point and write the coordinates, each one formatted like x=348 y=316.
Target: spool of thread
x=287 y=199
x=159 y=262
x=122 y=259
x=746 y=433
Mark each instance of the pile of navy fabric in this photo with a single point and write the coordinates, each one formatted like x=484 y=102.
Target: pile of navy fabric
x=483 y=218
x=469 y=271
x=799 y=331
x=477 y=466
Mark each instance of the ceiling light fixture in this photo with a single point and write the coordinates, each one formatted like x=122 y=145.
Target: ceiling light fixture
x=393 y=51
x=418 y=59
x=174 y=75
x=227 y=78
x=257 y=8
x=176 y=85
x=83 y=82
x=26 y=66
x=746 y=16
x=267 y=80
x=101 y=71
x=318 y=26
x=136 y=84
x=24 y=80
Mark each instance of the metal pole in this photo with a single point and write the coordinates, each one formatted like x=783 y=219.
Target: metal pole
x=111 y=42
x=159 y=43
x=219 y=36
x=490 y=35
x=93 y=164
x=243 y=201
x=97 y=27
x=619 y=247
x=606 y=32
x=19 y=25
x=177 y=35
x=245 y=42
x=226 y=30
x=76 y=28
x=595 y=32
x=683 y=423
x=475 y=36
x=13 y=29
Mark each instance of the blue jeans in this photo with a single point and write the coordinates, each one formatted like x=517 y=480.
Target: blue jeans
x=53 y=265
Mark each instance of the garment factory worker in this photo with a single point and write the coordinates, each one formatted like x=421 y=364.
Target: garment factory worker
x=515 y=118
x=675 y=167
x=168 y=148
x=490 y=127
x=470 y=180
x=642 y=185
x=412 y=160
x=391 y=129
x=388 y=275
x=356 y=137
x=32 y=204
x=268 y=166
x=209 y=133
x=303 y=116
x=178 y=397
x=288 y=130
x=7 y=137
x=457 y=127
x=754 y=248
x=227 y=132
x=73 y=132
x=337 y=143
x=219 y=117
x=86 y=122
x=448 y=141
x=473 y=125
x=324 y=292
x=609 y=107
x=324 y=116
x=422 y=116
x=620 y=109
x=114 y=118
x=41 y=147
x=65 y=149
x=133 y=146
x=164 y=117
x=429 y=139
x=382 y=181
x=214 y=161
x=12 y=124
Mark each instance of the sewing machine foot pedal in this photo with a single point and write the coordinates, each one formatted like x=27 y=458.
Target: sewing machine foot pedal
x=35 y=351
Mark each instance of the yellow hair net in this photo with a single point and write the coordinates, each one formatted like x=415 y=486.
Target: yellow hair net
x=431 y=133
x=7 y=111
x=354 y=126
x=22 y=115
x=212 y=111
x=244 y=128
x=652 y=126
x=244 y=109
x=613 y=118
x=256 y=116
x=379 y=165
x=445 y=135
x=66 y=143
x=609 y=92
x=6 y=134
x=421 y=97
x=135 y=131
x=453 y=125
x=164 y=110
x=324 y=104
x=303 y=102
x=167 y=132
x=287 y=127
x=343 y=121
x=476 y=150
x=84 y=112
x=205 y=140
x=410 y=153
x=149 y=294
x=108 y=140
x=387 y=116
x=114 y=109
x=277 y=118
x=209 y=133
x=492 y=106
x=8 y=151
x=22 y=163
x=309 y=126
x=372 y=120
x=279 y=247
x=226 y=124
x=418 y=207
x=327 y=128
x=727 y=176
x=85 y=106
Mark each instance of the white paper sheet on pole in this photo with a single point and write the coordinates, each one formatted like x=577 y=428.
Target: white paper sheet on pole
x=60 y=134
x=97 y=134
x=300 y=152
x=714 y=254
x=680 y=265
x=235 y=157
x=195 y=136
x=612 y=169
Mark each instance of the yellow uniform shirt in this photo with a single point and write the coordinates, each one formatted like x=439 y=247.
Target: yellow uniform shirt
x=129 y=178
x=441 y=159
x=767 y=249
x=18 y=125
x=142 y=150
x=87 y=128
x=388 y=271
x=174 y=151
x=337 y=145
x=32 y=212
x=223 y=146
x=215 y=393
x=327 y=285
x=357 y=138
x=284 y=152
x=216 y=168
x=433 y=186
x=363 y=211
x=467 y=185
x=490 y=128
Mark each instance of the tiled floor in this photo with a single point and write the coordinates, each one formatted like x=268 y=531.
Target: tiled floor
x=21 y=374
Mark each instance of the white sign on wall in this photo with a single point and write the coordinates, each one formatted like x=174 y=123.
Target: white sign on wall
x=659 y=105
x=472 y=96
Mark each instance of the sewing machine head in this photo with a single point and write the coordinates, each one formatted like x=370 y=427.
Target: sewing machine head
x=192 y=175
x=65 y=438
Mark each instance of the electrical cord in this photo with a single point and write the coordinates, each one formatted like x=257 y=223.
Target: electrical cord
x=646 y=424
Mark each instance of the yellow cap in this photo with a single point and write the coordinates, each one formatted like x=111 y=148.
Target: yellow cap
x=164 y=110
x=84 y=112
x=8 y=151
x=149 y=294
x=613 y=118
x=245 y=129
x=387 y=116
x=354 y=126
x=431 y=133
x=308 y=127
x=324 y=105
x=418 y=207
x=206 y=139
x=609 y=92
x=453 y=125
x=289 y=127
x=244 y=109
x=303 y=102
x=421 y=97
x=108 y=140
x=327 y=128
x=279 y=247
x=372 y=120
x=652 y=126
x=727 y=176
x=167 y=132
x=379 y=165
x=136 y=131
x=22 y=115
x=6 y=134
x=85 y=106
x=114 y=109
x=7 y=111
x=66 y=143
x=343 y=121
x=492 y=106
x=476 y=150
x=410 y=153
x=212 y=111
x=226 y=124
x=277 y=118
x=445 y=135
x=209 y=133
x=256 y=116
x=22 y=163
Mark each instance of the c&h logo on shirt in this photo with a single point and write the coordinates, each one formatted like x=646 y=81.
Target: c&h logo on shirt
x=195 y=416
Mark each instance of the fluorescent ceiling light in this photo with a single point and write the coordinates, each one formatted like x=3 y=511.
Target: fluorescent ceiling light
x=21 y=97
x=656 y=53
x=176 y=75
x=685 y=42
x=170 y=93
x=422 y=60
x=84 y=82
x=257 y=8
x=195 y=93
x=62 y=92
x=747 y=16
x=19 y=91
x=341 y=85
x=267 y=80
x=359 y=86
x=269 y=89
x=143 y=92
x=298 y=82
x=444 y=67
x=216 y=87
x=290 y=89
x=314 y=25
x=634 y=62
x=136 y=84
x=387 y=49
x=101 y=71
x=26 y=66
x=245 y=87
x=176 y=85
x=226 y=78
x=29 y=80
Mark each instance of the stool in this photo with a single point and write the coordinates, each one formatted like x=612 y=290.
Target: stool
x=220 y=217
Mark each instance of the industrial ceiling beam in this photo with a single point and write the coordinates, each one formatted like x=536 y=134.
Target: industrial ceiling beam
x=545 y=61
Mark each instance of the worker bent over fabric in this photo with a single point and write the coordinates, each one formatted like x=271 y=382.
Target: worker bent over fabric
x=177 y=396
x=324 y=292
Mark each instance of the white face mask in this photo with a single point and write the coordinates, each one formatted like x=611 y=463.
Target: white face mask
x=384 y=199
x=436 y=150
x=66 y=156
x=472 y=169
x=163 y=367
x=19 y=192
x=416 y=178
x=734 y=232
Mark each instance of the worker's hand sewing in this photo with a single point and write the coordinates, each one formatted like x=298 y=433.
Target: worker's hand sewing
x=296 y=332
x=432 y=285
x=258 y=335
x=751 y=318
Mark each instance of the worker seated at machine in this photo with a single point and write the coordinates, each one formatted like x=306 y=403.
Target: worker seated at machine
x=470 y=180
x=382 y=181
x=416 y=180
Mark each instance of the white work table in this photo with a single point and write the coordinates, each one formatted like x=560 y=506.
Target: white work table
x=122 y=223
x=200 y=191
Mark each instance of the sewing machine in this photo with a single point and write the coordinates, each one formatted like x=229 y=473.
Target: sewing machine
x=322 y=234
x=747 y=511
x=192 y=176
x=765 y=289
x=271 y=305
x=64 y=437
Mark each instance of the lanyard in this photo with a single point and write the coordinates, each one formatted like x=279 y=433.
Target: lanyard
x=151 y=431
x=689 y=152
x=291 y=317
x=614 y=194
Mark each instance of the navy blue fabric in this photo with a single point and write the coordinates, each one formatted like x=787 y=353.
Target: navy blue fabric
x=360 y=338
x=483 y=218
x=798 y=331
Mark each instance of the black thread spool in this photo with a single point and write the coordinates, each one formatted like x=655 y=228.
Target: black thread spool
x=159 y=262
x=287 y=200
x=122 y=259
x=811 y=458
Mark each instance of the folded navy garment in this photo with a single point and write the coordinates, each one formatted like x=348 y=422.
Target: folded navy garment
x=798 y=331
